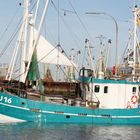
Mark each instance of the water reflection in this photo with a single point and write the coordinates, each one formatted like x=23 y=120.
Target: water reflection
x=39 y=131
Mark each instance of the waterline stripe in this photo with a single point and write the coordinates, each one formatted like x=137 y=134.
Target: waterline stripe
x=23 y=108
x=72 y=114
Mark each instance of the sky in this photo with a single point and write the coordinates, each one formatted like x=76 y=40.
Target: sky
x=73 y=28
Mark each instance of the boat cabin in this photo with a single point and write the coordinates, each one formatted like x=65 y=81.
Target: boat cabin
x=111 y=93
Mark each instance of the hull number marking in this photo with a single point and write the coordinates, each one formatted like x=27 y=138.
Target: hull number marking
x=5 y=99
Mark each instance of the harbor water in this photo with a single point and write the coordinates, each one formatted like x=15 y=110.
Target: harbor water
x=36 y=131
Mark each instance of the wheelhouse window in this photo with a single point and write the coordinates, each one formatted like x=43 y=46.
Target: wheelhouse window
x=139 y=91
x=134 y=90
x=86 y=72
x=97 y=88
x=106 y=89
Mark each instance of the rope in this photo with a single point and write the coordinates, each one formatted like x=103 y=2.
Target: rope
x=10 y=40
x=14 y=34
x=79 y=19
x=73 y=35
x=8 y=25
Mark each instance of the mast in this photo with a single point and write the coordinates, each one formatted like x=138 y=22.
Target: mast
x=134 y=57
x=36 y=10
x=13 y=59
x=90 y=56
x=21 y=42
x=100 y=66
x=107 y=54
x=35 y=42
x=24 y=39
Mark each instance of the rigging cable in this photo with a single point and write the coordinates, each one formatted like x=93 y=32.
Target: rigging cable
x=83 y=25
x=8 y=25
x=58 y=45
x=58 y=22
x=80 y=19
x=10 y=40
x=52 y=49
x=73 y=35
x=13 y=35
x=59 y=32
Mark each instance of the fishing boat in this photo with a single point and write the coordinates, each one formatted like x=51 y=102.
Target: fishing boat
x=100 y=99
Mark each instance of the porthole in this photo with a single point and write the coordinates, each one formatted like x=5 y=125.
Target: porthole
x=67 y=116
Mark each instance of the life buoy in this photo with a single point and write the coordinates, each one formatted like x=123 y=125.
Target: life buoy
x=134 y=99
x=129 y=107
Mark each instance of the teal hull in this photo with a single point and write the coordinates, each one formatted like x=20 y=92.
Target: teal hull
x=37 y=111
